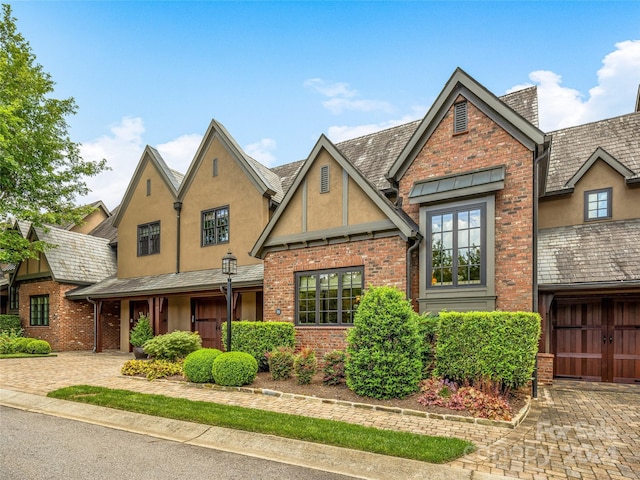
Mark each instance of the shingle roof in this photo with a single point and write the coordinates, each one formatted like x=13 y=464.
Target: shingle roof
x=287 y=173
x=572 y=147
x=524 y=102
x=583 y=253
x=76 y=257
x=201 y=280
x=374 y=154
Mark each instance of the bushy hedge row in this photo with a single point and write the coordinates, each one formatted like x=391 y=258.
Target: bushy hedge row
x=258 y=338
x=12 y=343
x=10 y=323
x=174 y=345
x=499 y=346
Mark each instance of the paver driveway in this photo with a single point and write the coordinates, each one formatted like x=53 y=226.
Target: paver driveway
x=575 y=430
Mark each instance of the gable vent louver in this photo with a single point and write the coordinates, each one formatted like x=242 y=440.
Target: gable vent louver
x=460 y=117
x=324 y=179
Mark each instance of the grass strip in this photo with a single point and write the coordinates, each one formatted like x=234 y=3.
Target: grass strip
x=328 y=432
x=26 y=355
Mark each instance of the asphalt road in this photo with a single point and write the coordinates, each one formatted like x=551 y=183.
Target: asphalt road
x=37 y=447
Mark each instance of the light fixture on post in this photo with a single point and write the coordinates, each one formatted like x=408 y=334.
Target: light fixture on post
x=229 y=267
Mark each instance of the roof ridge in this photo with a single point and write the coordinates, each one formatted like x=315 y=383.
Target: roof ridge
x=582 y=125
x=379 y=131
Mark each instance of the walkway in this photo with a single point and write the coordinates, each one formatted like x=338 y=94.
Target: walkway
x=575 y=430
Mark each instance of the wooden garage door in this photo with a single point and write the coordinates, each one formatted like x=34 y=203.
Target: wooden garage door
x=577 y=337
x=626 y=341
x=597 y=339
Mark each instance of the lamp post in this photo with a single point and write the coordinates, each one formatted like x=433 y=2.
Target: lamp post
x=229 y=267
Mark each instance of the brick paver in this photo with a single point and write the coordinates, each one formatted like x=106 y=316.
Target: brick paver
x=575 y=430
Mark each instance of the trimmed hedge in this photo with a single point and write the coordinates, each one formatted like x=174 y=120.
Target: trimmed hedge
x=428 y=326
x=10 y=323
x=498 y=346
x=40 y=347
x=258 y=338
x=197 y=366
x=384 y=347
x=21 y=344
x=174 y=345
x=234 y=369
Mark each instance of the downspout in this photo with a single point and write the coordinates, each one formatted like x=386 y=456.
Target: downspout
x=409 y=252
x=95 y=324
x=536 y=194
x=177 y=207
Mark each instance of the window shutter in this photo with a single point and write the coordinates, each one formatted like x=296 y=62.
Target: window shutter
x=460 y=117
x=324 y=179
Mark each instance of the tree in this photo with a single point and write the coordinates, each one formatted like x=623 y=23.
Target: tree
x=41 y=170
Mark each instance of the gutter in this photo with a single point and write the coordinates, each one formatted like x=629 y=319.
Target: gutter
x=177 y=206
x=95 y=324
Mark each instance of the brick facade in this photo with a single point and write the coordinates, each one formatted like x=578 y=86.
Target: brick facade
x=545 y=368
x=70 y=322
x=384 y=262
x=487 y=145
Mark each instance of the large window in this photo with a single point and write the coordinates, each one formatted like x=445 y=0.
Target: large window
x=328 y=297
x=597 y=204
x=39 y=314
x=457 y=256
x=149 y=238
x=215 y=226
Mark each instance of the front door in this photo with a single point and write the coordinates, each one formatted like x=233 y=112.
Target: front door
x=597 y=339
x=209 y=314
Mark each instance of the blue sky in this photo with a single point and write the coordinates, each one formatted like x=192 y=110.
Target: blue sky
x=279 y=74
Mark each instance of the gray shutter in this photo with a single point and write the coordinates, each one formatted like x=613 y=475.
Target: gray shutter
x=324 y=179
x=460 y=117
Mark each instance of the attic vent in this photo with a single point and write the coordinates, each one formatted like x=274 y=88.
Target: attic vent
x=324 y=179
x=460 y=117
x=148 y=187
x=215 y=167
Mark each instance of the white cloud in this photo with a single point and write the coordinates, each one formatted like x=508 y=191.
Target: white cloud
x=615 y=93
x=339 y=133
x=262 y=151
x=342 y=97
x=122 y=149
x=179 y=153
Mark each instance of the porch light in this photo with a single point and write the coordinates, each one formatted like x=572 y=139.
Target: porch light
x=229 y=267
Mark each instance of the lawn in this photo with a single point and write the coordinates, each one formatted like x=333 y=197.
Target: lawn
x=329 y=432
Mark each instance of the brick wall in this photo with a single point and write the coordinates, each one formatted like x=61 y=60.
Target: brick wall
x=70 y=322
x=486 y=145
x=384 y=262
x=545 y=368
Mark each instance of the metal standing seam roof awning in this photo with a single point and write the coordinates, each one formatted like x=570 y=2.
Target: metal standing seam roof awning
x=451 y=186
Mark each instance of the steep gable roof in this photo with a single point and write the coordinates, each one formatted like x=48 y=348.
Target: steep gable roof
x=170 y=177
x=406 y=226
x=525 y=103
x=106 y=229
x=616 y=139
x=76 y=257
x=461 y=83
x=266 y=181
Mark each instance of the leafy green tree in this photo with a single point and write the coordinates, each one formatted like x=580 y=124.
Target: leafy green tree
x=41 y=170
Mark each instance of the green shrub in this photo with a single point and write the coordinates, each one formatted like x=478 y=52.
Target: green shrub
x=174 y=345
x=333 y=368
x=198 y=364
x=234 y=369
x=40 y=347
x=258 y=338
x=281 y=362
x=480 y=346
x=142 y=332
x=305 y=366
x=7 y=343
x=428 y=326
x=21 y=344
x=10 y=323
x=384 y=346
x=152 y=369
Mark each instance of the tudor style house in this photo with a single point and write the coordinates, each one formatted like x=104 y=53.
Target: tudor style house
x=473 y=207
x=172 y=232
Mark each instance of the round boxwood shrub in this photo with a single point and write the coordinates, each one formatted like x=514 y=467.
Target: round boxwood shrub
x=234 y=369
x=39 y=347
x=21 y=344
x=198 y=365
x=384 y=347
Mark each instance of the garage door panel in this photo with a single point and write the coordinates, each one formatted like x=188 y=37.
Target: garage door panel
x=626 y=342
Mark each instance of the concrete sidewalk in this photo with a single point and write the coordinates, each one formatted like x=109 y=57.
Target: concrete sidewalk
x=310 y=455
